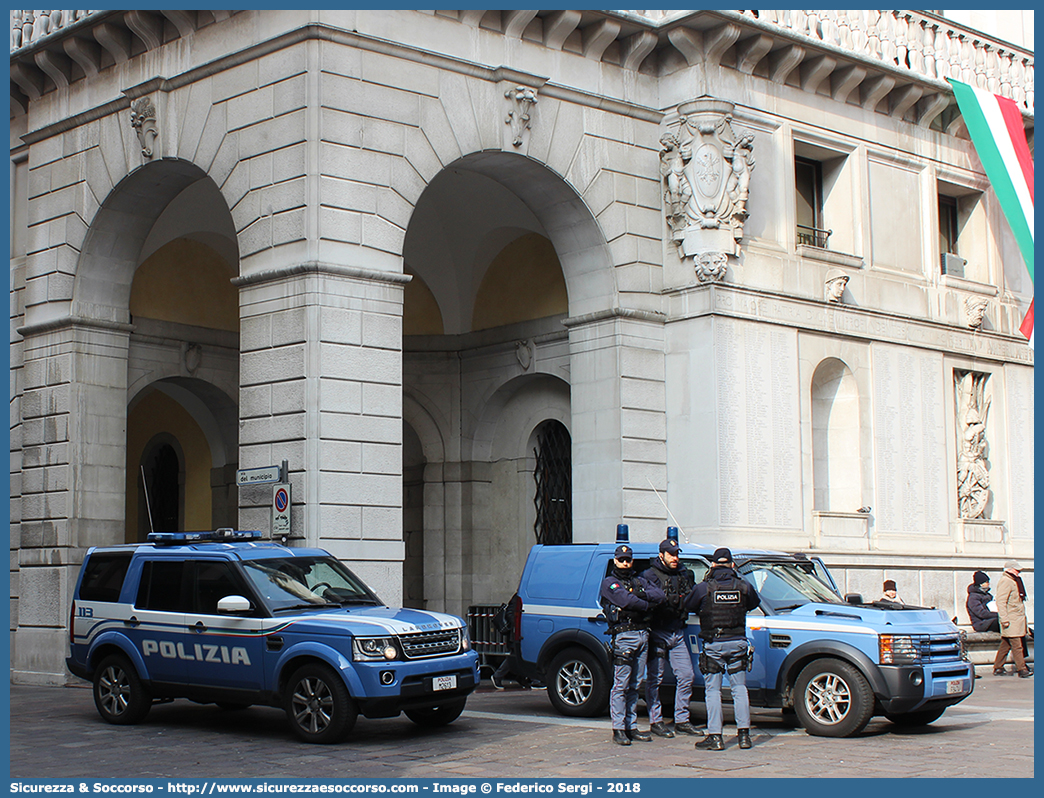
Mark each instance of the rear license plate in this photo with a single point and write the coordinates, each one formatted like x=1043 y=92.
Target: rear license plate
x=446 y=683
x=955 y=686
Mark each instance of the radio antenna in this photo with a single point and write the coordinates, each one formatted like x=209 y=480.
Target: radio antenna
x=668 y=509
x=148 y=507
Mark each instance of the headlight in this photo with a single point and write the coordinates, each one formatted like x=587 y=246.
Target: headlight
x=374 y=649
x=898 y=650
x=465 y=641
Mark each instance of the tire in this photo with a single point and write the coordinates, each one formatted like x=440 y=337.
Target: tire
x=440 y=715
x=318 y=705
x=921 y=718
x=577 y=685
x=119 y=695
x=833 y=699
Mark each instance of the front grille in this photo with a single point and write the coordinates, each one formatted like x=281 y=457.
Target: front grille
x=935 y=648
x=425 y=645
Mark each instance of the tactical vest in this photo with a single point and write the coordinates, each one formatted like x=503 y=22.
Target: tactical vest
x=676 y=586
x=723 y=613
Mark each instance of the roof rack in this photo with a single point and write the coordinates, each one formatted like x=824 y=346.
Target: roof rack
x=223 y=535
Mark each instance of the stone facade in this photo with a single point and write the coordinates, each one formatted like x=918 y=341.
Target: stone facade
x=445 y=230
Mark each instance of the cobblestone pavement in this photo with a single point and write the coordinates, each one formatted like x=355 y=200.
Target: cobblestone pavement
x=56 y=733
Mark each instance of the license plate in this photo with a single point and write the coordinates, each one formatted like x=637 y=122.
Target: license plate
x=443 y=683
x=955 y=686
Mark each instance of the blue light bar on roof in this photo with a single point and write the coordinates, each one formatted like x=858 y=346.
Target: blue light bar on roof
x=218 y=535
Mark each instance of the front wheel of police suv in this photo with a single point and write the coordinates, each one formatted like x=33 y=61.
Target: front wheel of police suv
x=318 y=705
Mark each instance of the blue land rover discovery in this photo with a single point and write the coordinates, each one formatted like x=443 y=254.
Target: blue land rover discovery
x=831 y=662
x=221 y=617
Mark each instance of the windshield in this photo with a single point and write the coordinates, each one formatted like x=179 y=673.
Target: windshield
x=787 y=585
x=302 y=582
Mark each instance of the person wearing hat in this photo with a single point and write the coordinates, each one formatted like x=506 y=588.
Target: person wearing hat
x=890 y=593
x=1011 y=609
x=982 y=618
x=667 y=641
x=723 y=600
x=627 y=600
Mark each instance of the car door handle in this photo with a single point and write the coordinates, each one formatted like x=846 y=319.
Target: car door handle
x=600 y=618
x=200 y=626
x=131 y=621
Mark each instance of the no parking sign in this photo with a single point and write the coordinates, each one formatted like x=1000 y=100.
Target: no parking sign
x=281 y=509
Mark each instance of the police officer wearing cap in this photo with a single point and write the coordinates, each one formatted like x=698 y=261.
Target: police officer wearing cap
x=667 y=640
x=627 y=599
x=723 y=600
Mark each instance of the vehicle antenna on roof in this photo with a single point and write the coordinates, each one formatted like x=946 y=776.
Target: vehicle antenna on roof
x=668 y=509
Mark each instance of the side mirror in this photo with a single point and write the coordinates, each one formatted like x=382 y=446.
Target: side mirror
x=233 y=605
x=853 y=598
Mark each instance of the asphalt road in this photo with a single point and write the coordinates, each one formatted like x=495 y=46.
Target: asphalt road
x=56 y=733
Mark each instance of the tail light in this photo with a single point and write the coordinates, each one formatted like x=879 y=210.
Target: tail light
x=72 y=617
x=516 y=608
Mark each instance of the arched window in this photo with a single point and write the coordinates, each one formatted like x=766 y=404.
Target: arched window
x=554 y=484
x=162 y=497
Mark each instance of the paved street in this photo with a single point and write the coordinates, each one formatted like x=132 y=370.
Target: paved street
x=56 y=733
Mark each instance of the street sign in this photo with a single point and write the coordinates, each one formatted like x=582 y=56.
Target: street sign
x=281 y=509
x=258 y=476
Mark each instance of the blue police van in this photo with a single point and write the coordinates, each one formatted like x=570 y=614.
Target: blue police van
x=828 y=662
x=224 y=617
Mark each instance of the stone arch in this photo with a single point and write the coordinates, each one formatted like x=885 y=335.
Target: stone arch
x=836 y=458
x=132 y=219
x=557 y=211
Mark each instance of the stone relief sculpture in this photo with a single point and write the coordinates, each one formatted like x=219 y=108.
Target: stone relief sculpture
x=975 y=311
x=524 y=98
x=143 y=120
x=835 y=284
x=705 y=169
x=973 y=477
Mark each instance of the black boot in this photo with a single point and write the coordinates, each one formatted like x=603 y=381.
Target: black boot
x=661 y=730
x=684 y=728
x=744 y=738
x=639 y=736
x=620 y=737
x=712 y=742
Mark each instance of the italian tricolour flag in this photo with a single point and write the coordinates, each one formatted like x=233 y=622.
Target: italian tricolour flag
x=995 y=126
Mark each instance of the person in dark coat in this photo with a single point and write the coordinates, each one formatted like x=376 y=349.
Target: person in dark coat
x=983 y=619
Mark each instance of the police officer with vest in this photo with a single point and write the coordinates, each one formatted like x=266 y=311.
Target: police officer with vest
x=667 y=640
x=723 y=600
x=627 y=599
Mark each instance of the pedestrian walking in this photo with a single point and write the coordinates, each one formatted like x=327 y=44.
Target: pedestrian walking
x=628 y=599
x=1011 y=608
x=982 y=618
x=667 y=640
x=723 y=600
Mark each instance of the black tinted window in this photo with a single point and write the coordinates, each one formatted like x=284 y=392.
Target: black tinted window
x=103 y=576
x=161 y=583
x=214 y=581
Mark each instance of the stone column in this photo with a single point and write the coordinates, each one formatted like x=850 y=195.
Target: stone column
x=619 y=424
x=321 y=387
x=73 y=426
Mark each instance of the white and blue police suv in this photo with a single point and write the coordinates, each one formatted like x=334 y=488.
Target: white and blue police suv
x=223 y=617
x=829 y=662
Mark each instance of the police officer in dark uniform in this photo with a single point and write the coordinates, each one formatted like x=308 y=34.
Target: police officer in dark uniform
x=667 y=640
x=627 y=599
x=723 y=600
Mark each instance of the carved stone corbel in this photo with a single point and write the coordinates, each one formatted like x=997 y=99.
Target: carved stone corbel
x=143 y=120
x=523 y=99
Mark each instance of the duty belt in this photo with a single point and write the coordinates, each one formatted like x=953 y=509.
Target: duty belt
x=627 y=626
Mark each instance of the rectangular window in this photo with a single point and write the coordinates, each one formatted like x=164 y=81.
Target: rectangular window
x=161 y=586
x=214 y=581
x=103 y=576
x=948 y=228
x=808 y=179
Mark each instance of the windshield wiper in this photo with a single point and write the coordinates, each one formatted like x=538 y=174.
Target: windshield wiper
x=308 y=606
x=791 y=606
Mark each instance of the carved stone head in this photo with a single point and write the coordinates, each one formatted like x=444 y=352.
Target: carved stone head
x=975 y=311
x=836 y=282
x=710 y=266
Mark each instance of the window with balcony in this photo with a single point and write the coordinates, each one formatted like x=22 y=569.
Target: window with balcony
x=825 y=185
x=808 y=180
